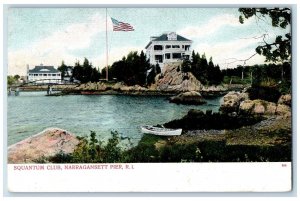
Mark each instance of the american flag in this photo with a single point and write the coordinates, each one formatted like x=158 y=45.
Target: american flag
x=121 y=26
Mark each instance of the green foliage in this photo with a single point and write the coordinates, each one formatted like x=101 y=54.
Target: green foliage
x=270 y=94
x=195 y=120
x=90 y=150
x=16 y=77
x=12 y=79
x=62 y=68
x=269 y=75
x=144 y=152
x=131 y=70
x=205 y=72
x=280 y=49
x=186 y=66
x=155 y=70
x=112 y=152
x=85 y=73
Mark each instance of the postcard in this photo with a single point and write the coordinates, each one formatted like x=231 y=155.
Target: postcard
x=170 y=99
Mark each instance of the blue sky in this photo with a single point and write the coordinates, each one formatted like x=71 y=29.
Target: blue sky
x=50 y=35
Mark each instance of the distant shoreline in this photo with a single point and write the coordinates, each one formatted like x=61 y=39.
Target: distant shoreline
x=61 y=90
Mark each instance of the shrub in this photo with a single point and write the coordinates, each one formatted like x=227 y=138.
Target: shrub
x=270 y=94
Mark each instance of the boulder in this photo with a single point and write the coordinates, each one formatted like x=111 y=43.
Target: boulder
x=188 y=98
x=117 y=86
x=270 y=108
x=232 y=100
x=285 y=99
x=257 y=107
x=283 y=110
x=45 y=144
x=174 y=80
x=246 y=106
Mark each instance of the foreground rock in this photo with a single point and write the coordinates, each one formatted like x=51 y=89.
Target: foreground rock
x=188 y=98
x=47 y=143
x=285 y=99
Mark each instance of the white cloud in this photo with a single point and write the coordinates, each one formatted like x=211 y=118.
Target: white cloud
x=212 y=26
x=54 y=48
x=225 y=53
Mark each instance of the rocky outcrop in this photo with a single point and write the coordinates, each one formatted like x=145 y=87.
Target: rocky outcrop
x=135 y=88
x=188 y=98
x=260 y=107
x=235 y=102
x=45 y=144
x=285 y=99
x=173 y=79
x=283 y=110
x=93 y=86
x=232 y=100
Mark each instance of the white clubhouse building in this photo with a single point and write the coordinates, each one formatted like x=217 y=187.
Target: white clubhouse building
x=44 y=75
x=169 y=47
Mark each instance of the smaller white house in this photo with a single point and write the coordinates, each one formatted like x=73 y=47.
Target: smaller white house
x=44 y=75
x=168 y=47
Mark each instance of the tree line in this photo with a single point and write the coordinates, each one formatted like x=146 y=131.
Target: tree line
x=134 y=69
x=260 y=74
x=205 y=71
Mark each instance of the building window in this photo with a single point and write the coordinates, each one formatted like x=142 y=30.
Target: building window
x=158 y=47
x=159 y=58
x=35 y=74
x=175 y=46
x=176 y=56
x=49 y=74
x=53 y=74
x=168 y=46
x=44 y=74
x=30 y=74
x=167 y=56
x=187 y=47
x=40 y=74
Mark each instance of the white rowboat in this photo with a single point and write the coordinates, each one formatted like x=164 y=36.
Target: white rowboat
x=160 y=131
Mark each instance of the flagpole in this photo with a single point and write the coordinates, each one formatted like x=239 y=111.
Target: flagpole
x=106 y=49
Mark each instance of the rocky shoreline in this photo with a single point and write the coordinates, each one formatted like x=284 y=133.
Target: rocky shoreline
x=47 y=143
x=266 y=138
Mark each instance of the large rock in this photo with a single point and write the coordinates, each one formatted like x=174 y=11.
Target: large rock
x=188 y=98
x=283 y=110
x=259 y=107
x=135 y=88
x=172 y=79
x=92 y=86
x=285 y=99
x=232 y=100
x=47 y=143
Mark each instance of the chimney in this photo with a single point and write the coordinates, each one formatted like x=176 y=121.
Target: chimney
x=27 y=67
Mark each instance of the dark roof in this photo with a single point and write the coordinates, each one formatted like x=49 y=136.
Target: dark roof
x=44 y=69
x=164 y=37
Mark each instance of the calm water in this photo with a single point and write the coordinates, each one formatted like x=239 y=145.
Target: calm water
x=32 y=112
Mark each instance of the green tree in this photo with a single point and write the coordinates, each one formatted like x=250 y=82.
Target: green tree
x=62 y=68
x=280 y=48
x=86 y=72
x=131 y=69
x=16 y=77
x=186 y=66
